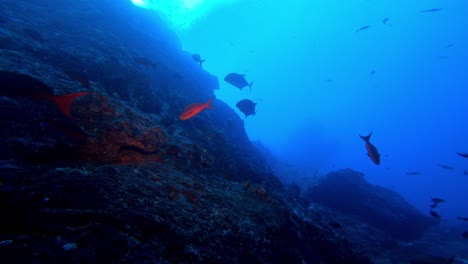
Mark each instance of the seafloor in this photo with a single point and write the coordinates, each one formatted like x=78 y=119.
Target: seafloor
x=126 y=181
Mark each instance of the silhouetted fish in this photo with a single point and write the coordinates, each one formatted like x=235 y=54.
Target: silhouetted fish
x=385 y=20
x=372 y=151
x=447 y=167
x=413 y=173
x=462 y=218
x=465 y=155
x=438 y=200
x=434 y=214
x=196 y=57
x=449 y=45
x=146 y=62
x=362 y=28
x=465 y=235
x=247 y=107
x=238 y=80
x=22 y=85
x=372 y=72
x=431 y=10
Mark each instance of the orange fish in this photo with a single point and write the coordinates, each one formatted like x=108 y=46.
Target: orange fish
x=195 y=108
x=372 y=151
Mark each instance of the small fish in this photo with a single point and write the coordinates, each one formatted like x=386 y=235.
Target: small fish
x=362 y=28
x=413 y=173
x=462 y=218
x=465 y=235
x=335 y=225
x=194 y=109
x=196 y=57
x=247 y=107
x=385 y=20
x=372 y=151
x=238 y=80
x=372 y=72
x=431 y=10
x=146 y=62
x=438 y=200
x=434 y=214
x=465 y=155
x=449 y=45
x=447 y=167
x=21 y=85
x=465 y=172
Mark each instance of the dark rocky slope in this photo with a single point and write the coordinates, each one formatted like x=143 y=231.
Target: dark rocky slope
x=125 y=181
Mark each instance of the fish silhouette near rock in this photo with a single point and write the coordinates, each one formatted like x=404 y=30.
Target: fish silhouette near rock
x=247 y=107
x=372 y=151
x=238 y=80
x=196 y=57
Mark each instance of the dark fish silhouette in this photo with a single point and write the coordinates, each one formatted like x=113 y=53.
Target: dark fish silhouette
x=372 y=72
x=385 y=20
x=196 y=57
x=146 y=62
x=449 y=45
x=431 y=10
x=438 y=200
x=465 y=155
x=434 y=214
x=465 y=172
x=362 y=28
x=247 y=107
x=372 y=151
x=465 y=235
x=238 y=80
x=462 y=218
x=21 y=85
x=413 y=173
x=447 y=167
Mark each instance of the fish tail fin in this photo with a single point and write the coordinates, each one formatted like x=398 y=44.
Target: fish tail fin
x=64 y=101
x=366 y=138
x=250 y=86
x=208 y=103
x=201 y=62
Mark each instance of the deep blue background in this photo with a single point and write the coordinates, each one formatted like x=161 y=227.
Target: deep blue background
x=316 y=93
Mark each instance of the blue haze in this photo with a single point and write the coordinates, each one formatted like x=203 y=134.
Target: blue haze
x=316 y=94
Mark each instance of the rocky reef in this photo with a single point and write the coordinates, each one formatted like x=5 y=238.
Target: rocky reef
x=348 y=192
x=122 y=179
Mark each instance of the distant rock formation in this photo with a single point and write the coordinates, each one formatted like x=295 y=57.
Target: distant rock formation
x=347 y=191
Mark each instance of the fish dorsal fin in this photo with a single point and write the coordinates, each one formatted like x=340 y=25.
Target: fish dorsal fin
x=191 y=106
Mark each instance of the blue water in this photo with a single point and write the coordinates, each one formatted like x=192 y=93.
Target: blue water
x=319 y=84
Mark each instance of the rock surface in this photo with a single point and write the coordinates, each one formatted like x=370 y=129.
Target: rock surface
x=348 y=192
x=124 y=180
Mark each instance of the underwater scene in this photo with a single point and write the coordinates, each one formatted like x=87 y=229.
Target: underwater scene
x=234 y=131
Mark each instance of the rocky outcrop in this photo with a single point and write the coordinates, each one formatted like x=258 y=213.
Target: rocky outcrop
x=348 y=192
x=125 y=180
